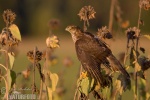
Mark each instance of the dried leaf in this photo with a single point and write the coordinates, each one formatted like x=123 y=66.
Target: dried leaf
x=40 y=72
x=54 y=79
x=141 y=74
x=141 y=22
x=142 y=49
x=147 y=36
x=15 y=31
x=11 y=59
x=97 y=96
x=144 y=63
x=118 y=86
x=147 y=96
x=137 y=67
x=50 y=93
x=123 y=83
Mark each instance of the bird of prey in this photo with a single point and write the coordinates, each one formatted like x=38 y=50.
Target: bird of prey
x=92 y=52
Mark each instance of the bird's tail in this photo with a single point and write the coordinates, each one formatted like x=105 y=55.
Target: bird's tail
x=116 y=66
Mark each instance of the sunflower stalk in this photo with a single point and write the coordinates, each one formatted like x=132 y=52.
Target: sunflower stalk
x=136 y=48
x=34 y=65
x=111 y=14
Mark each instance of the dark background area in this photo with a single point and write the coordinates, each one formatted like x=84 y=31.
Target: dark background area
x=33 y=15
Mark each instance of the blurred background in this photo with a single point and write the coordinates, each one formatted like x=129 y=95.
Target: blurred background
x=33 y=15
x=33 y=19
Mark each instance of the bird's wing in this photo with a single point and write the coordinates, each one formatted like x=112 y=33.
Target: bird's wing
x=88 y=62
x=116 y=66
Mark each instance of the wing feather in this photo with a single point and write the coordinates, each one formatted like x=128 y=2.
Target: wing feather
x=88 y=62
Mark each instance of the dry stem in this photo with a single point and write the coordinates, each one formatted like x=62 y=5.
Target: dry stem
x=34 y=65
x=137 y=43
x=111 y=14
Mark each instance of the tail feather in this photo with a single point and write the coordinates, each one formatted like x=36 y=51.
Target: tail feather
x=116 y=66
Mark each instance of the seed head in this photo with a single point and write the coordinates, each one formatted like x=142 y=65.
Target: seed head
x=9 y=16
x=104 y=33
x=132 y=33
x=6 y=38
x=52 y=42
x=86 y=13
x=145 y=4
x=54 y=23
x=38 y=56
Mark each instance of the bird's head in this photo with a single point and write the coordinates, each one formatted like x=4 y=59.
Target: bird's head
x=75 y=31
x=72 y=29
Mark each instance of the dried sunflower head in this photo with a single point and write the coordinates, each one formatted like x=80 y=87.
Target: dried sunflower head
x=104 y=33
x=54 y=23
x=6 y=38
x=145 y=4
x=52 y=42
x=38 y=56
x=122 y=83
x=132 y=33
x=86 y=13
x=9 y=16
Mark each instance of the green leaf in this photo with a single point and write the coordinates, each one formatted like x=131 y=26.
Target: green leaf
x=11 y=78
x=147 y=36
x=15 y=31
x=54 y=78
x=86 y=85
x=11 y=59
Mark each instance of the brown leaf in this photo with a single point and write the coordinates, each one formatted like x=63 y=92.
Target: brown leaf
x=142 y=49
x=125 y=82
x=141 y=74
x=144 y=63
x=141 y=22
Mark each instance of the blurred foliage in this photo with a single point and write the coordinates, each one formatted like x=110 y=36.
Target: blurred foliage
x=33 y=15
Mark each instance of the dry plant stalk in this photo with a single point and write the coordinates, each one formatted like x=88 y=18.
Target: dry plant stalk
x=111 y=16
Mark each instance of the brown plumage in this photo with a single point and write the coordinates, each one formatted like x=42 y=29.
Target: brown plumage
x=92 y=52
